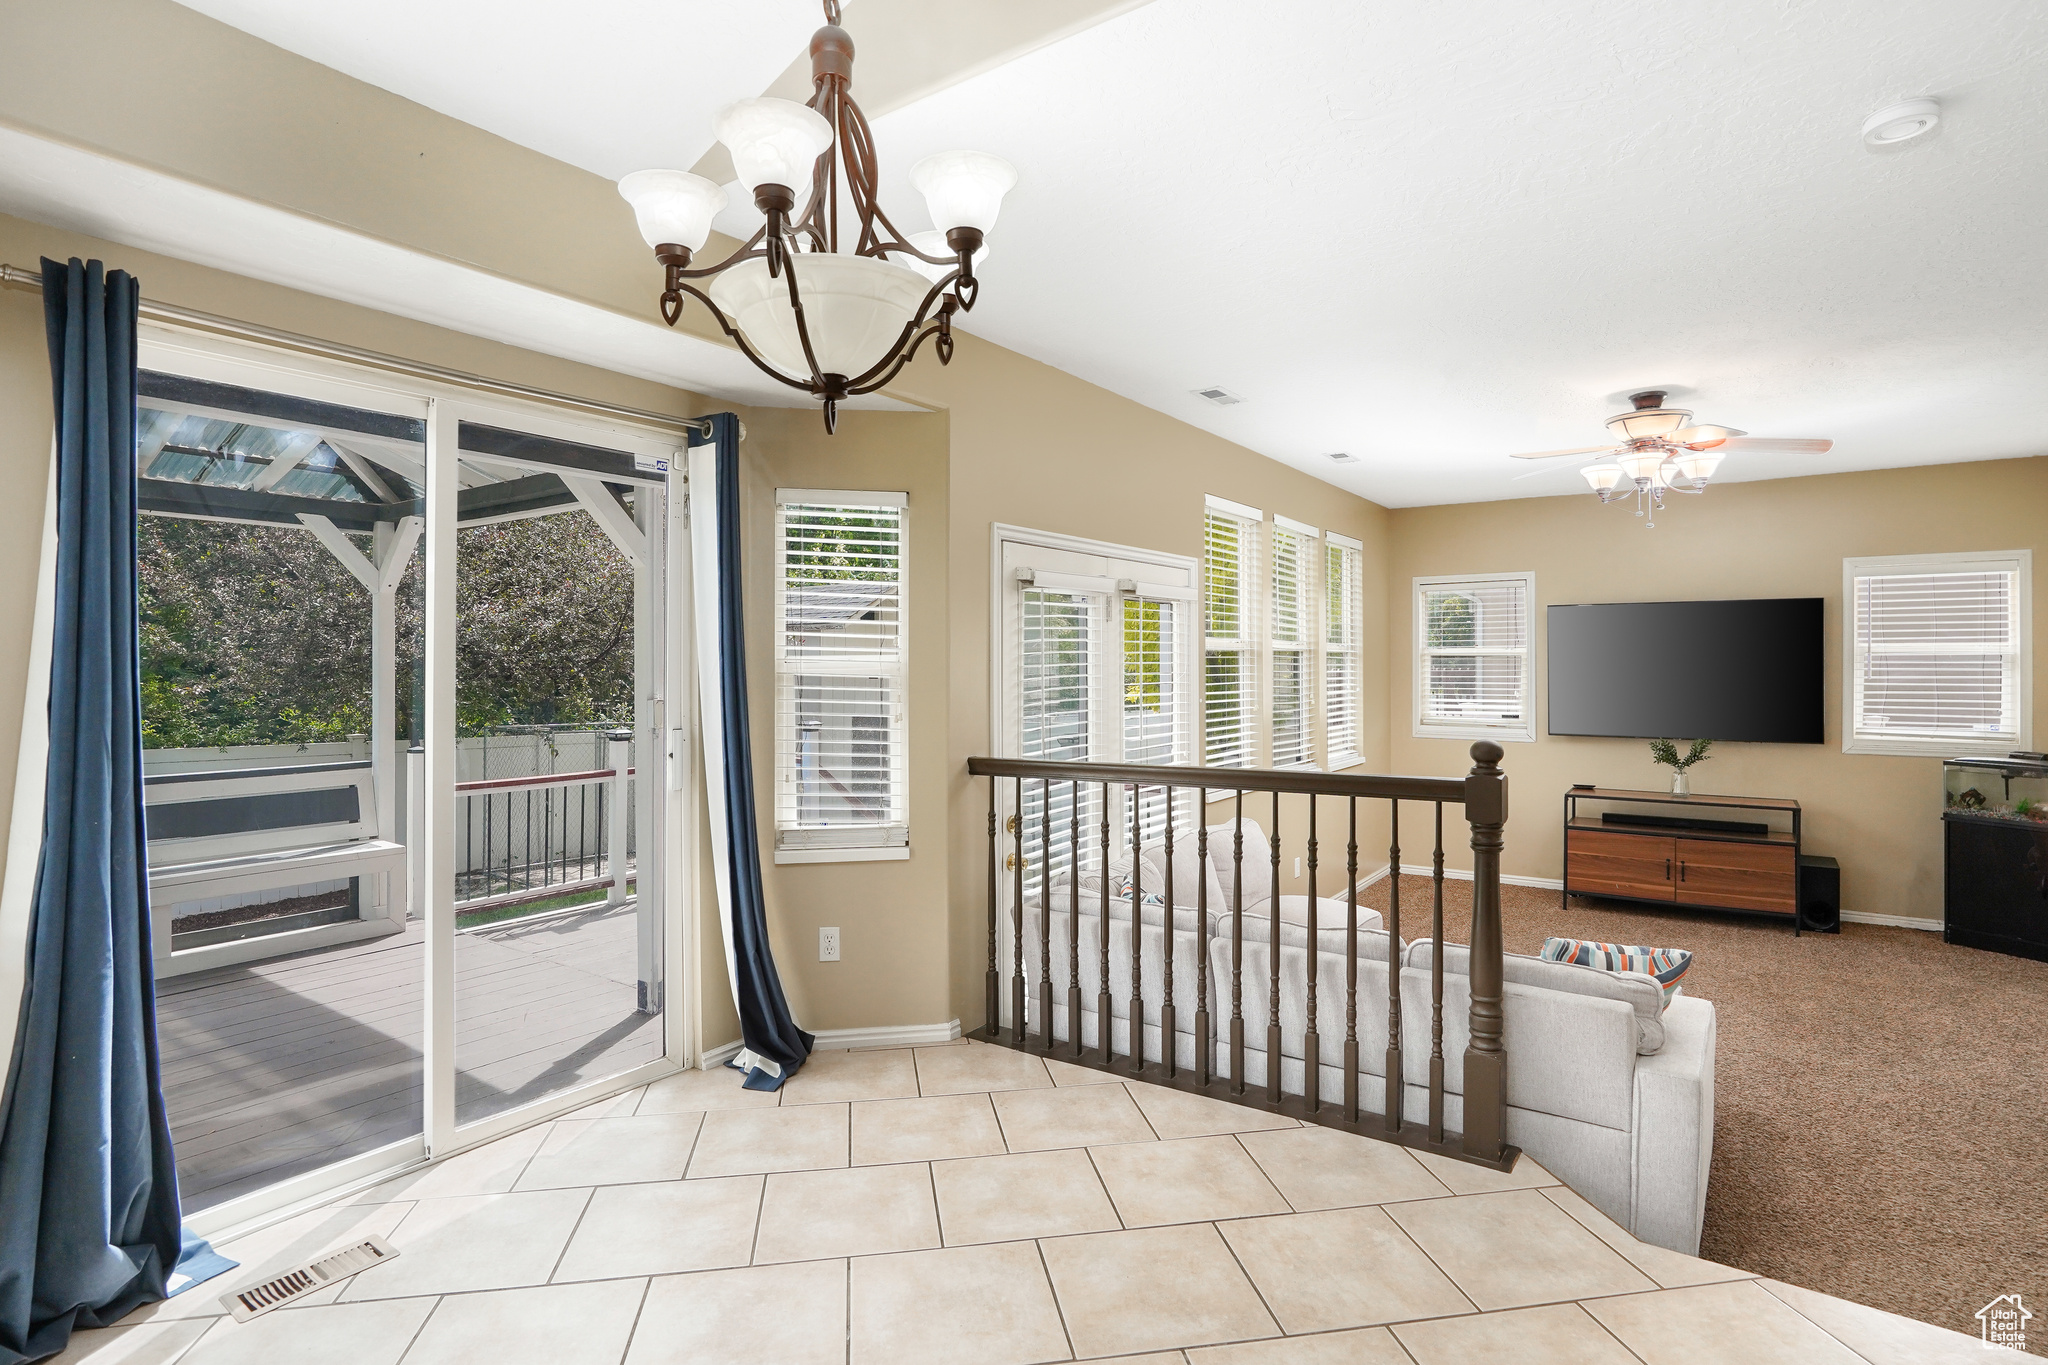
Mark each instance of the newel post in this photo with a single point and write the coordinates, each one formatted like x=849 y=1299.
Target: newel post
x=1486 y=1075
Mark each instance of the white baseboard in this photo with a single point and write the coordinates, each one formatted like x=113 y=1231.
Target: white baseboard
x=1932 y=926
x=1459 y=874
x=887 y=1035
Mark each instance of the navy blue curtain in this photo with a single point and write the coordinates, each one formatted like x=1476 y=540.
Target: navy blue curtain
x=89 y=1222
x=767 y=1029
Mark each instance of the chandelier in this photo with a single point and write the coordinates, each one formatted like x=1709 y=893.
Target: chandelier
x=834 y=323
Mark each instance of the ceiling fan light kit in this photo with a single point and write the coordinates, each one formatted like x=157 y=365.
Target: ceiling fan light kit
x=832 y=323
x=1663 y=451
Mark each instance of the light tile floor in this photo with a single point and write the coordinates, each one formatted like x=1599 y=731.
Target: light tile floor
x=969 y=1203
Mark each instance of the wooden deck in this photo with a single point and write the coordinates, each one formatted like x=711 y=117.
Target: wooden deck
x=278 y=1068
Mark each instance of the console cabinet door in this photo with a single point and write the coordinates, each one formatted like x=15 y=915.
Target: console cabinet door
x=1601 y=863
x=1738 y=876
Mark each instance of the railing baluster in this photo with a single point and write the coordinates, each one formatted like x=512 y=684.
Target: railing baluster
x=1202 y=1067
x=1017 y=912
x=1137 y=1056
x=1394 y=1076
x=1351 y=969
x=1074 y=918
x=1273 y=959
x=992 y=1005
x=1104 y=1022
x=1045 y=914
x=1169 y=1053
x=1311 y=1043
x=1436 y=986
x=1237 y=947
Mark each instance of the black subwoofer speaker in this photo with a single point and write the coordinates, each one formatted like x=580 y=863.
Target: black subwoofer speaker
x=1820 y=895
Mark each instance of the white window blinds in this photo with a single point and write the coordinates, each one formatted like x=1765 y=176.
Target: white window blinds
x=839 y=670
x=1292 y=621
x=1937 y=654
x=1343 y=631
x=1472 y=656
x=1229 y=647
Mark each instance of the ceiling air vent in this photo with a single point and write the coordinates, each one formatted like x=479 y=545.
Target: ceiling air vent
x=1221 y=397
x=1342 y=457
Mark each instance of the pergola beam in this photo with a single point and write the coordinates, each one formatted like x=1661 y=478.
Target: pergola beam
x=611 y=517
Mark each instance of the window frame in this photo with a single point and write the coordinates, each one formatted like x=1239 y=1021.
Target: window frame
x=2020 y=563
x=1522 y=732
x=1350 y=583
x=889 y=840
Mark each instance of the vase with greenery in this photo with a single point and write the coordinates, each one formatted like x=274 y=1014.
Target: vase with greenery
x=1665 y=752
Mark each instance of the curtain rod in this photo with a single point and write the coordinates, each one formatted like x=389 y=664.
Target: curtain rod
x=13 y=277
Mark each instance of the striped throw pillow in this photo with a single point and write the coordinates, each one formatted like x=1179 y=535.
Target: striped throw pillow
x=1667 y=965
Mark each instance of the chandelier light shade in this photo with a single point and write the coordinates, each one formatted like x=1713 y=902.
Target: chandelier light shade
x=773 y=142
x=1603 y=477
x=856 y=308
x=830 y=316
x=673 y=207
x=963 y=189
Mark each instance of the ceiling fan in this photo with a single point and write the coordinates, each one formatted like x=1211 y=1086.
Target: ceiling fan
x=1658 y=451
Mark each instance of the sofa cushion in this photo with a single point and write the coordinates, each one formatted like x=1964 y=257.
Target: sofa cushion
x=1668 y=965
x=1640 y=992
x=1258 y=865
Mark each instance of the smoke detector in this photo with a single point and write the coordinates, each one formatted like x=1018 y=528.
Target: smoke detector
x=1901 y=123
x=1221 y=397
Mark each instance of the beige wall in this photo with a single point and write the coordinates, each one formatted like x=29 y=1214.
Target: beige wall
x=1036 y=447
x=891 y=915
x=1879 y=816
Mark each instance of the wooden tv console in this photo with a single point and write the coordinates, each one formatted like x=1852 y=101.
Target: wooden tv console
x=1698 y=868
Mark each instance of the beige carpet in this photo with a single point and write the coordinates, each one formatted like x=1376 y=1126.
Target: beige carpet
x=1880 y=1131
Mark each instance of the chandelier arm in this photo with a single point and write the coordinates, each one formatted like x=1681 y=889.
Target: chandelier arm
x=803 y=330
x=739 y=339
x=889 y=357
x=746 y=252
x=857 y=147
x=937 y=328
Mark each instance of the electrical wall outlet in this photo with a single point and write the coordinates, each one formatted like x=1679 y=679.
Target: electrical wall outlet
x=1297 y=869
x=828 y=945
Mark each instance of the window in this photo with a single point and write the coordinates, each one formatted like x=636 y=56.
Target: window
x=1472 y=657
x=839 y=676
x=1229 y=647
x=1343 y=665
x=1936 y=653
x=1292 y=622
x=1096 y=646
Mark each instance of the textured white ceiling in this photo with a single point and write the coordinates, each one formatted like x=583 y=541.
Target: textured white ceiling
x=1432 y=236
x=612 y=86
x=1426 y=235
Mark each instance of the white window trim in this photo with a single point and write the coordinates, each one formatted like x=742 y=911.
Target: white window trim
x=882 y=843
x=2019 y=562
x=1522 y=733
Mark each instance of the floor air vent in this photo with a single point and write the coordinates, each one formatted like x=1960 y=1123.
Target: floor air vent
x=259 y=1299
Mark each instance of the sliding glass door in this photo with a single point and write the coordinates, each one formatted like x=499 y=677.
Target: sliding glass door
x=412 y=770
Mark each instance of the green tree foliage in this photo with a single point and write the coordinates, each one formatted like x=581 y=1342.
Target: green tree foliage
x=258 y=635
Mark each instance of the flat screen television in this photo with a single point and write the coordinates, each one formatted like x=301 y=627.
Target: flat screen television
x=1745 y=671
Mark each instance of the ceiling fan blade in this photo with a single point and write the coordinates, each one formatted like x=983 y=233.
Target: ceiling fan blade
x=1705 y=431
x=1548 y=469
x=1554 y=454
x=1774 y=445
